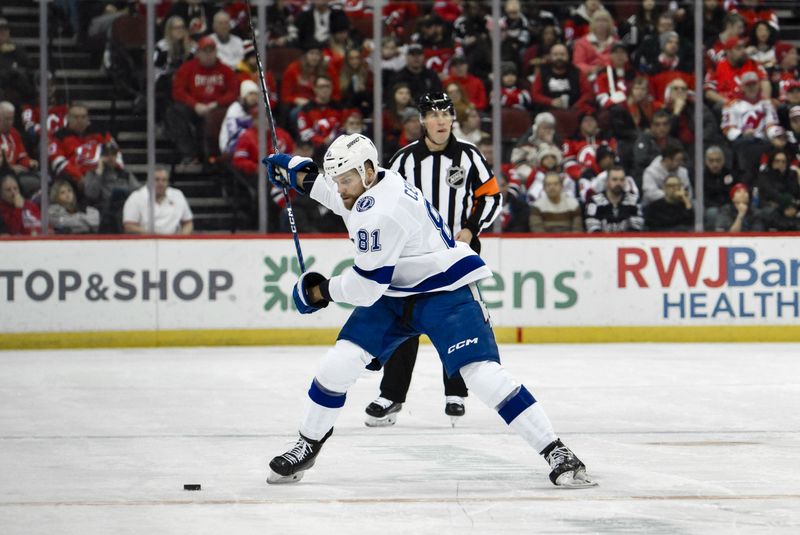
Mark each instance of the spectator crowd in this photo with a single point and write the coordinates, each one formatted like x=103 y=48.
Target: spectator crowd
x=604 y=91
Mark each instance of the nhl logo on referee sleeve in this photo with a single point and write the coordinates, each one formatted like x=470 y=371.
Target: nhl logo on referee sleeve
x=365 y=203
x=455 y=176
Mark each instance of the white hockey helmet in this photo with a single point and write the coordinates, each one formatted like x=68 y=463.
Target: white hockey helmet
x=351 y=151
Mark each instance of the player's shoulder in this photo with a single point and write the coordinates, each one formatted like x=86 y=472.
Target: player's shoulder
x=381 y=200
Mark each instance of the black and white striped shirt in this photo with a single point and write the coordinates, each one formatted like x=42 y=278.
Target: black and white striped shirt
x=457 y=181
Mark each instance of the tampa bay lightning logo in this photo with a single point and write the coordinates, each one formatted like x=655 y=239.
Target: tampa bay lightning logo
x=365 y=203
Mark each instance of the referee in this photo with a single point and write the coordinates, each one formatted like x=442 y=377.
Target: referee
x=456 y=179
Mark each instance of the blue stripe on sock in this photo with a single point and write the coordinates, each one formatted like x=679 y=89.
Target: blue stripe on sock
x=513 y=407
x=321 y=396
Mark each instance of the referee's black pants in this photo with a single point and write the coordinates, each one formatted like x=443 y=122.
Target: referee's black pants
x=398 y=370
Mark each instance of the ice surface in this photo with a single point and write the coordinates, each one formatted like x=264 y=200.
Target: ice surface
x=682 y=438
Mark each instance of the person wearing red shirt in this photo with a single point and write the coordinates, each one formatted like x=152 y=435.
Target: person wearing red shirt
x=580 y=153
x=75 y=150
x=200 y=85
x=722 y=83
x=13 y=154
x=612 y=83
x=245 y=152
x=321 y=120
x=473 y=88
x=297 y=82
x=20 y=217
x=753 y=11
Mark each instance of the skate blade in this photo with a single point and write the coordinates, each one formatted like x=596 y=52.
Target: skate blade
x=575 y=480
x=454 y=420
x=386 y=421
x=275 y=478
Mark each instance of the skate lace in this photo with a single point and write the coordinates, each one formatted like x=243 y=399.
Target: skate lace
x=559 y=456
x=299 y=451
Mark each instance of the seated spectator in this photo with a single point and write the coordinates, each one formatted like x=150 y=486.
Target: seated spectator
x=543 y=132
x=411 y=131
x=297 y=82
x=474 y=90
x=761 y=49
x=578 y=22
x=733 y=26
x=779 y=191
x=468 y=127
x=75 y=149
x=353 y=122
x=511 y=94
x=281 y=30
x=201 y=85
x=793 y=133
x=471 y=33
x=749 y=122
x=420 y=79
x=516 y=212
x=753 y=11
x=670 y=66
x=737 y=215
x=107 y=186
x=172 y=214
x=239 y=116
x=580 y=151
x=355 y=82
x=784 y=74
x=673 y=212
x=538 y=53
x=15 y=82
x=651 y=143
x=56 y=116
x=561 y=85
x=592 y=52
x=613 y=210
x=400 y=99
x=516 y=28
x=172 y=51
x=196 y=14
x=722 y=83
x=554 y=211
x=590 y=183
x=679 y=103
x=641 y=24
x=247 y=69
x=669 y=163
x=320 y=121
x=460 y=101
x=436 y=39
x=230 y=47
x=20 y=217
x=527 y=181
x=13 y=154
x=613 y=80
x=631 y=118
x=393 y=59
x=316 y=22
x=717 y=183
x=245 y=152
x=65 y=218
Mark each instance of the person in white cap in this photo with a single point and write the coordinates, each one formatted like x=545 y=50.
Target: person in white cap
x=238 y=117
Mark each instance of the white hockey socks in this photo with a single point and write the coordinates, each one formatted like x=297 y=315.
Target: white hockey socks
x=337 y=372
x=513 y=402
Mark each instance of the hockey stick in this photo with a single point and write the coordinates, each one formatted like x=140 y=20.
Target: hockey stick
x=263 y=83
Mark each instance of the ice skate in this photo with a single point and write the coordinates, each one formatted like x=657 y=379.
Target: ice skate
x=382 y=412
x=290 y=467
x=567 y=470
x=454 y=408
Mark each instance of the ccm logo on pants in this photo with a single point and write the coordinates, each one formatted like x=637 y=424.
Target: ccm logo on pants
x=461 y=344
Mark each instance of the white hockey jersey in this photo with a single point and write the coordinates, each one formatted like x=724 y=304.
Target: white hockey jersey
x=740 y=115
x=403 y=245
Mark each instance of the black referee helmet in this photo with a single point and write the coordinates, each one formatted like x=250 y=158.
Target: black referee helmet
x=436 y=101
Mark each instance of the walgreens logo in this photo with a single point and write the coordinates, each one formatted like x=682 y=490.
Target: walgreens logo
x=667 y=267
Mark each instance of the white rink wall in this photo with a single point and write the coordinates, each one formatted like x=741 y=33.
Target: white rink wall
x=52 y=286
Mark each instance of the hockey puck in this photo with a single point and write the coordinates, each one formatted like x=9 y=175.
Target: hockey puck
x=191 y=486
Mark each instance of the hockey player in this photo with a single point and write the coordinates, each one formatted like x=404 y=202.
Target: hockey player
x=410 y=277
x=460 y=185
